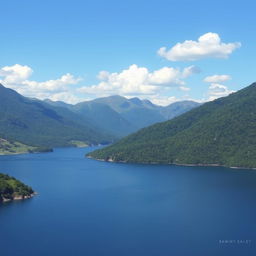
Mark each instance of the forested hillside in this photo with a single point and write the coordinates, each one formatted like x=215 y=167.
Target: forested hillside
x=221 y=132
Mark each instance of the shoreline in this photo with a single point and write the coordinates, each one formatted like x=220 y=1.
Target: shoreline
x=14 y=153
x=18 y=198
x=25 y=152
x=43 y=151
x=176 y=164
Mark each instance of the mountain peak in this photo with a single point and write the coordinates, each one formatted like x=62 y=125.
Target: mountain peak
x=136 y=101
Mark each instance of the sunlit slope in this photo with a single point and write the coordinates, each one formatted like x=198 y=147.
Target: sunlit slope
x=220 y=132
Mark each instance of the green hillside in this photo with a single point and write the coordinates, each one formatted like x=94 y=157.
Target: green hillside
x=221 y=132
x=14 y=147
x=36 y=123
x=10 y=189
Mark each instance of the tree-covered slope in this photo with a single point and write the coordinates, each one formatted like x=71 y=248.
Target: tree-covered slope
x=178 y=108
x=220 y=132
x=36 y=123
x=11 y=189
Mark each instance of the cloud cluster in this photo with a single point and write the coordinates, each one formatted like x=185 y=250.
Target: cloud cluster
x=133 y=81
x=17 y=78
x=15 y=74
x=217 y=90
x=52 y=85
x=217 y=78
x=139 y=81
x=156 y=85
x=208 y=45
x=163 y=100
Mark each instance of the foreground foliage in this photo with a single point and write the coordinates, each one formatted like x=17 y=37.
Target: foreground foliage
x=11 y=188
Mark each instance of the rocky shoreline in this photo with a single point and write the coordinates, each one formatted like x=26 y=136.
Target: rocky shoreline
x=18 y=197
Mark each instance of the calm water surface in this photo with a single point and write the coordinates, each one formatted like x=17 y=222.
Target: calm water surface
x=86 y=207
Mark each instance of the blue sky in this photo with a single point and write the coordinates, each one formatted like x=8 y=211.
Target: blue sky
x=57 y=49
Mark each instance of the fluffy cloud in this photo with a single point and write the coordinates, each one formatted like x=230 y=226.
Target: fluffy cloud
x=17 y=78
x=139 y=81
x=52 y=85
x=155 y=85
x=15 y=74
x=183 y=88
x=163 y=100
x=208 y=45
x=217 y=78
x=66 y=96
x=217 y=91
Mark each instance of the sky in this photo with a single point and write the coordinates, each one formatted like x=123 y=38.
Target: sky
x=164 y=51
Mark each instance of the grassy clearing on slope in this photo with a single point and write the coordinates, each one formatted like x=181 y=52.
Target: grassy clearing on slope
x=10 y=147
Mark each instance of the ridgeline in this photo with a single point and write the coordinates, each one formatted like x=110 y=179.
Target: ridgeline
x=221 y=132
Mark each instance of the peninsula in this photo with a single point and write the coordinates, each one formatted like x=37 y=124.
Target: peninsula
x=12 y=189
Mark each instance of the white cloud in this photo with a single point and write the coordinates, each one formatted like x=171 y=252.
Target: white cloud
x=208 y=45
x=52 y=85
x=132 y=81
x=218 y=90
x=67 y=97
x=139 y=81
x=163 y=100
x=165 y=76
x=17 y=77
x=15 y=74
x=156 y=85
x=183 y=88
x=217 y=78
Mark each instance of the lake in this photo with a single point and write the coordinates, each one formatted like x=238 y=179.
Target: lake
x=88 y=207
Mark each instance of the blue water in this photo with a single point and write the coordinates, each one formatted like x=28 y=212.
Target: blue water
x=87 y=207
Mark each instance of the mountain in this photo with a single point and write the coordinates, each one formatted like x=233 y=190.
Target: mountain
x=58 y=103
x=221 y=132
x=178 y=108
x=26 y=122
x=104 y=116
x=138 y=113
x=121 y=104
x=142 y=113
x=121 y=116
x=36 y=123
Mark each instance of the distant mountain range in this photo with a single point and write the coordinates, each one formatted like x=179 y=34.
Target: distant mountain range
x=37 y=123
x=221 y=132
x=50 y=124
x=121 y=116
